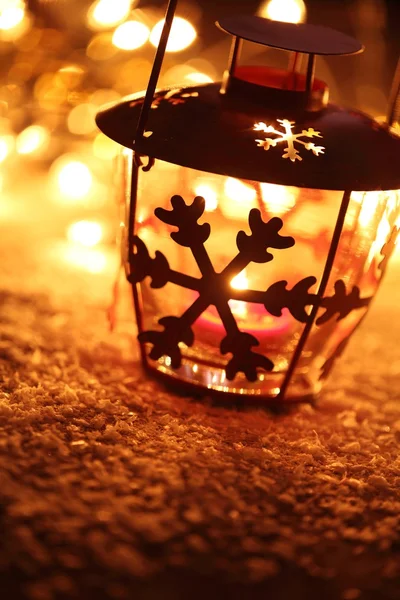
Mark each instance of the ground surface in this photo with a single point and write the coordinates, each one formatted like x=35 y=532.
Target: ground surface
x=112 y=488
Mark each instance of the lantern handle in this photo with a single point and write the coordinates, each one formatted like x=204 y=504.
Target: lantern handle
x=155 y=72
x=394 y=102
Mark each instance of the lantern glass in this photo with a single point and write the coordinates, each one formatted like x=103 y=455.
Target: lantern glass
x=309 y=216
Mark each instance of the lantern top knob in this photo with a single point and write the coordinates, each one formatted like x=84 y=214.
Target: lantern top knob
x=301 y=37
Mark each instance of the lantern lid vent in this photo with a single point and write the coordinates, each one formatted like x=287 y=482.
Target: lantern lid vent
x=294 y=37
x=245 y=128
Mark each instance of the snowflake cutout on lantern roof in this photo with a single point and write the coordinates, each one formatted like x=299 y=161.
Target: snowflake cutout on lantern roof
x=174 y=96
x=215 y=289
x=291 y=138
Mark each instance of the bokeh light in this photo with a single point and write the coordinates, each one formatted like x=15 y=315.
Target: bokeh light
x=278 y=199
x=6 y=146
x=33 y=139
x=74 y=178
x=85 y=233
x=238 y=191
x=209 y=194
x=81 y=119
x=238 y=200
x=289 y=11
x=104 y=96
x=101 y=47
x=131 y=35
x=108 y=13
x=183 y=34
x=91 y=260
x=198 y=78
x=104 y=147
x=12 y=13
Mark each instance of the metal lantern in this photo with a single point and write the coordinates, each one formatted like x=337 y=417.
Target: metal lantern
x=259 y=217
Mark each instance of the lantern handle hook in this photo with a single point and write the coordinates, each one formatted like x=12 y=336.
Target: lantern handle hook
x=155 y=72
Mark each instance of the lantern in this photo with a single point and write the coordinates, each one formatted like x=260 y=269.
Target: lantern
x=259 y=217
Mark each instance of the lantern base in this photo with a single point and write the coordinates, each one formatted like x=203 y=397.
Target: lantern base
x=207 y=380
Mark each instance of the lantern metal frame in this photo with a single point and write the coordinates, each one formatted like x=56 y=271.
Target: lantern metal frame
x=305 y=100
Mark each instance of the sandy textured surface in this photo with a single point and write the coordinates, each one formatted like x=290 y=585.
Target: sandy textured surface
x=111 y=487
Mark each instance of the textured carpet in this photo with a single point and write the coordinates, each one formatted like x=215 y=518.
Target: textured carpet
x=113 y=488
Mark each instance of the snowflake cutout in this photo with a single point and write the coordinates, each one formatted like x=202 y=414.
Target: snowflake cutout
x=174 y=97
x=290 y=138
x=214 y=288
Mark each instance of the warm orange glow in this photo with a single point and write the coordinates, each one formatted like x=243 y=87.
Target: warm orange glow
x=278 y=199
x=32 y=139
x=74 y=178
x=104 y=96
x=85 y=233
x=239 y=199
x=182 y=35
x=209 y=194
x=71 y=75
x=108 y=13
x=382 y=235
x=104 y=148
x=238 y=191
x=101 y=47
x=369 y=207
x=131 y=35
x=81 y=119
x=92 y=260
x=198 y=77
x=289 y=11
x=6 y=146
x=241 y=281
x=12 y=13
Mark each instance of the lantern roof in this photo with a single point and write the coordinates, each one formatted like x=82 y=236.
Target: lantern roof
x=238 y=136
x=295 y=37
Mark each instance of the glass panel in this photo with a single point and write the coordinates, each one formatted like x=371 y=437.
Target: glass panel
x=367 y=241
x=309 y=216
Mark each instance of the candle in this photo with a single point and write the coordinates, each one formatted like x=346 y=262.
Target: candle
x=251 y=318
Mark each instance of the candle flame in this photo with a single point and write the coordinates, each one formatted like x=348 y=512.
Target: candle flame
x=241 y=281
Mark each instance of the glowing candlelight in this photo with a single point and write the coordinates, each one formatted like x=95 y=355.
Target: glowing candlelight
x=278 y=199
x=239 y=199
